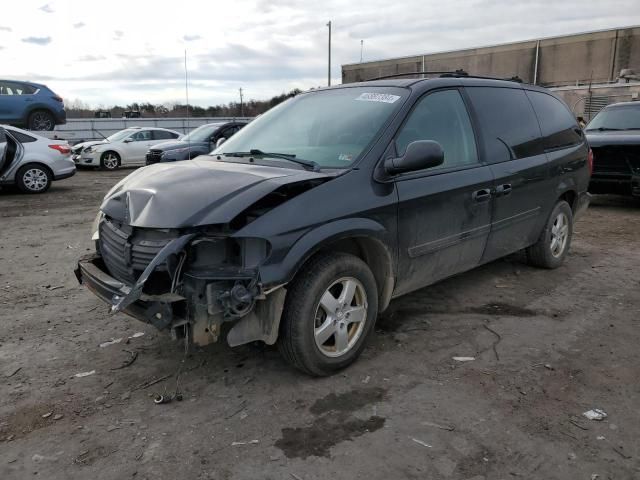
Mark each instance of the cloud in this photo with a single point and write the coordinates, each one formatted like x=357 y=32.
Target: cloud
x=91 y=58
x=5 y=29
x=191 y=38
x=79 y=25
x=37 y=40
x=47 y=8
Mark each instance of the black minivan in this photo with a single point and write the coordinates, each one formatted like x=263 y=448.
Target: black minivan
x=301 y=228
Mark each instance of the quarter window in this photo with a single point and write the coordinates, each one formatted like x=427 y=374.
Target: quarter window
x=559 y=128
x=163 y=135
x=509 y=126
x=442 y=117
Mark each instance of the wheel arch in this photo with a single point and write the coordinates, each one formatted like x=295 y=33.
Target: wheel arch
x=362 y=237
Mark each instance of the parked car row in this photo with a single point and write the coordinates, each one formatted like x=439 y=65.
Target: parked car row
x=137 y=146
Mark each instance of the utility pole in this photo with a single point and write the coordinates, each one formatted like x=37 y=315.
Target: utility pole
x=329 y=65
x=361 y=47
x=241 y=104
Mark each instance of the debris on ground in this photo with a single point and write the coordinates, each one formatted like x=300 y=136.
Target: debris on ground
x=58 y=416
x=113 y=341
x=366 y=379
x=84 y=374
x=250 y=442
x=127 y=362
x=420 y=442
x=47 y=415
x=12 y=373
x=595 y=414
x=448 y=428
x=464 y=359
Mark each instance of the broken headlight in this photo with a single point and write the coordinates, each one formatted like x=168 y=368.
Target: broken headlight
x=95 y=227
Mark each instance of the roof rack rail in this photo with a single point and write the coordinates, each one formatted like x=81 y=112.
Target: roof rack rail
x=448 y=74
x=459 y=72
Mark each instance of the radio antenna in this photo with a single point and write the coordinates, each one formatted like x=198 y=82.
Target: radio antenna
x=186 y=89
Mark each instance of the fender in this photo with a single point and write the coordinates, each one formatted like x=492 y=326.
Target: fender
x=315 y=239
x=36 y=106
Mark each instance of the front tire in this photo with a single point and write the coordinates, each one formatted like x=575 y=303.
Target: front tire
x=330 y=310
x=553 y=245
x=33 y=178
x=109 y=161
x=41 y=120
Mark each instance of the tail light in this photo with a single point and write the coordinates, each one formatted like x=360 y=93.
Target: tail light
x=590 y=161
x=56 y=97
x=63 y=149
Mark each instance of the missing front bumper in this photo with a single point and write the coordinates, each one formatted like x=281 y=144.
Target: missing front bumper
x=184 y=315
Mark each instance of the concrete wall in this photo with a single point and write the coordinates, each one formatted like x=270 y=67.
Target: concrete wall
x=569 y=60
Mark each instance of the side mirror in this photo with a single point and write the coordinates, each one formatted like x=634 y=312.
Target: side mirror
x=220 y=141
x=127 y=140
x=419 y=155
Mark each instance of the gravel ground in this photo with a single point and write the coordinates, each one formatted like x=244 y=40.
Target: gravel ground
x=548 y=346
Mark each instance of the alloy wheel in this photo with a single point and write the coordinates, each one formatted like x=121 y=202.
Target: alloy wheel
x=340 y=317
x=110 y=161
x=41 y=121
x=559 y=234
x=35 y=179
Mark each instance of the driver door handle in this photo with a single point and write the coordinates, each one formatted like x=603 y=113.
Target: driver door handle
x=481 y=196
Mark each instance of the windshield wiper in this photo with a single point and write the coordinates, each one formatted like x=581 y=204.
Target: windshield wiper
x=603 y=129
x=307 y=164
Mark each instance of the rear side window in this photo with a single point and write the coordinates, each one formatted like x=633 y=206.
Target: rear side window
x=442 y=117
x=22 y=138
x=559 y=128
x=509 y=126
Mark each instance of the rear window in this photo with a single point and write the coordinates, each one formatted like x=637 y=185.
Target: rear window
x=508 y=124
x=22 y=138
x=559 y=128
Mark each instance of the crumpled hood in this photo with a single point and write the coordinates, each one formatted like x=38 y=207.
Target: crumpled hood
x=81 y=146
x=194 y=192
x=599 y=139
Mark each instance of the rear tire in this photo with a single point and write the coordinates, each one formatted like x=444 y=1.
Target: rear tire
x=553 y=245
x=109 y=160
x=41 y=120
x=33 y=178
x=330 y=310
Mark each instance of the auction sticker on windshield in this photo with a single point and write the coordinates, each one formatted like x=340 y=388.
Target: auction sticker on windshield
x=378 y=97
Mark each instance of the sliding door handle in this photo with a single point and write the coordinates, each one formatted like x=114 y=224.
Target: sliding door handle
x=503 y=190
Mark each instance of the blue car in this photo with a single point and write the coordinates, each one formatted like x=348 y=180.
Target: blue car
x=30 y=105
x=198 y=142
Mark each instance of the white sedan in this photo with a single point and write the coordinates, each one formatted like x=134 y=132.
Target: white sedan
x=32 y=162
x=126 y=148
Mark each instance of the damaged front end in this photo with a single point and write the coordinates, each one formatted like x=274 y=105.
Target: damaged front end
x=188 y=281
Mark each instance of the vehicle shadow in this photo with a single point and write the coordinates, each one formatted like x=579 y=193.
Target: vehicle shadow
x=615 y=202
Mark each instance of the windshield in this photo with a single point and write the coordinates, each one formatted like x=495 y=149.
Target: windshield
x=621 y=118
x=201 y=134
x=120 y=135
x=329 y=127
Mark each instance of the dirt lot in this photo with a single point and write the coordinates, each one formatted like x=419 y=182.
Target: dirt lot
x=548 y=346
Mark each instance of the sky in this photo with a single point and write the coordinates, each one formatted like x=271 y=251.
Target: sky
x=116 y=52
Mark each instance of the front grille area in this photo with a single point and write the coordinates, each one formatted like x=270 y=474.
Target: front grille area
x=154 y=156
x=616 y=161
x=126 y=251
